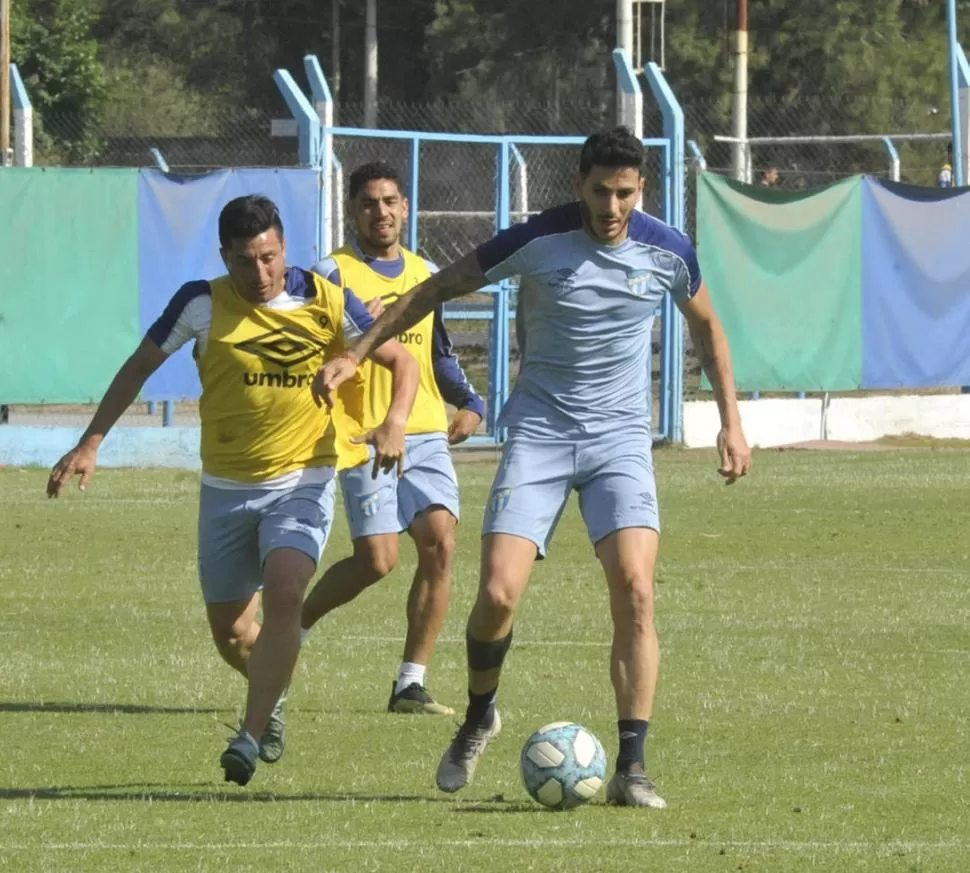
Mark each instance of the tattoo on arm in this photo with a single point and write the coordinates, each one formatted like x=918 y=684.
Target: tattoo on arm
x=711 y=349
x=704 y=350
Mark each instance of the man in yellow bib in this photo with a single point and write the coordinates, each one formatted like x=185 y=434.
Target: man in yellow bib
x=424 y=500
x=261 y=334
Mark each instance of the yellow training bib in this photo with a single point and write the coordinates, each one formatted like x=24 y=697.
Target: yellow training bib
x=367 y=400
x=259 y=420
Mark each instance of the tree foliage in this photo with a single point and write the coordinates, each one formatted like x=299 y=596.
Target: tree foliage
x=169 y=65
x=53 y=45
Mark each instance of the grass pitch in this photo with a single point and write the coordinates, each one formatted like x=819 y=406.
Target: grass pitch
x=812 y=713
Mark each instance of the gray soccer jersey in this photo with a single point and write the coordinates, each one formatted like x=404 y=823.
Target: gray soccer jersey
x=585 y=313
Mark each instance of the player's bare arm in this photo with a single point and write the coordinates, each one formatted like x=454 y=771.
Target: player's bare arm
x=122 y=391
x=465 y=276
x=388 y=438
x=714 y=353
x=462 y=277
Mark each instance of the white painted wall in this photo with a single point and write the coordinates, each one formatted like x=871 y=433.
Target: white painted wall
x=779 y=422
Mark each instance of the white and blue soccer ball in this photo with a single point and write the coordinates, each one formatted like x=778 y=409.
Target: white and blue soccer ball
x=562 y=765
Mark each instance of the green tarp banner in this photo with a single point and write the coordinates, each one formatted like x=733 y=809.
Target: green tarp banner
x=794 y=322
x=68 y=287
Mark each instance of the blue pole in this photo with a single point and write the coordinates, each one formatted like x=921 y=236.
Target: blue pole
x=414 y=190
x=673 y=116
x=951 y=21
x=168 y=413
x=520 y=162
x=327 y=205
x=308 y=122
x=159 y=159
x=893 y=158
x=667 y=314
x=699 y=158
x=501 y=331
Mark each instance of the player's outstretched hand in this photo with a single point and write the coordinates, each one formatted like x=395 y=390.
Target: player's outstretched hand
x=735 y=454
x=388 y=443
x=330 y=377
x=375 y=307
x=463 y=425
x=80 y=461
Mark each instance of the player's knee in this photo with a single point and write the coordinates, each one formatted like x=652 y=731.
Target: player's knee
x=285 y=577
x=498 y=599
x=376 y=557
x=632 y=600
x=437 y=556
x=283 y=598
x=230 y=637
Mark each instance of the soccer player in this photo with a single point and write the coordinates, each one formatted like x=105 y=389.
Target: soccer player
x=945 y=178
x=592 y=274
x=424 y=501
x=268 y=450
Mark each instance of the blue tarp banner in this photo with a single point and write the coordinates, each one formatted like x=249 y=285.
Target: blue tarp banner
x=178 y=241
x=915 y=286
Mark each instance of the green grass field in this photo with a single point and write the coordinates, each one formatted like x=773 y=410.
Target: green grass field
x=812 y=715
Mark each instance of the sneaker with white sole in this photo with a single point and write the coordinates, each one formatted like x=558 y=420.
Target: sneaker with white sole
x=415 y=700
x=634 y=788
x=459 y=761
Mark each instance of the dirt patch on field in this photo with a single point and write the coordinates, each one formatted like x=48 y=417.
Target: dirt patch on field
x=908 y=441
x=837 y=446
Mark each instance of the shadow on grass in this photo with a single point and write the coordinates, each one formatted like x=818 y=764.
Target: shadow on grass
x=122 y=708
x=491 y=806
x=202 y=792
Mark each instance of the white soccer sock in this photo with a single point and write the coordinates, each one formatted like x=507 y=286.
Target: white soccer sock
x=410 y=673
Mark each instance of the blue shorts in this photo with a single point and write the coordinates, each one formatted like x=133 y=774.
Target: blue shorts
x=613 y=475
x=389 y=504
x=239 y=528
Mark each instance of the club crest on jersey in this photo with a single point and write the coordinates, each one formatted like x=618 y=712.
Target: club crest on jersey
x=639 y=282
x=286 y=347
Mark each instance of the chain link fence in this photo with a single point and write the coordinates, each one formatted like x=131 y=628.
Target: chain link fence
x=218 y=137
x=237 y=138
x=536 y=117
x=796 y=164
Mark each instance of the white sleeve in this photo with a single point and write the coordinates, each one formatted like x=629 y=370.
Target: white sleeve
x=188 y=316
x=192 y=324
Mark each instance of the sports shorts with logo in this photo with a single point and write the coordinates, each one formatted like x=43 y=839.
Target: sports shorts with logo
x=613 y=475
x=389 y=504
x=238 y=528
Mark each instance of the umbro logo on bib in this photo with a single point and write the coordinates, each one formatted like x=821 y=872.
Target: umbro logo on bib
x=286 y=347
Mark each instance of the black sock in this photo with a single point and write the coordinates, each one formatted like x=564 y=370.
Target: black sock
x=633 y=736
x=481 y=708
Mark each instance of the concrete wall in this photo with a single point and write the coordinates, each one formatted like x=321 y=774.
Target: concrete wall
x=766 y=422
x=847 y=419
x=124 y=447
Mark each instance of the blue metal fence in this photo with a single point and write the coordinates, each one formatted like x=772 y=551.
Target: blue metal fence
x=459 y=198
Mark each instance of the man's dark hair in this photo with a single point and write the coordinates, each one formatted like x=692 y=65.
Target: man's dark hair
x=246 y=217
x=616 y=148
x=371 y=172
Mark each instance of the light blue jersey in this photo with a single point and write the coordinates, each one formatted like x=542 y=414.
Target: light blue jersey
x=584 y=318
